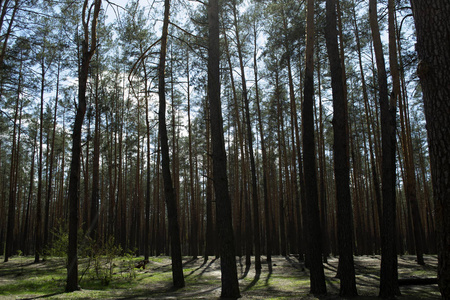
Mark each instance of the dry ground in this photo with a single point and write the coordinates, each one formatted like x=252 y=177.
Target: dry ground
x=285 y=278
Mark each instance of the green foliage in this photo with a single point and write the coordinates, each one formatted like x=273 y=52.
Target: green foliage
x=60 y=242
x=129 y=263
x=100 y=264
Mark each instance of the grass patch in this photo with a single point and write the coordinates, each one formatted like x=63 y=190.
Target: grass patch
x=21 y=278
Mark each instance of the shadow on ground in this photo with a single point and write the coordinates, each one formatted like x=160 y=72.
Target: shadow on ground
x=282 y=278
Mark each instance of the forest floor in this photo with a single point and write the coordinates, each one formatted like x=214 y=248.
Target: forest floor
x=286 y=278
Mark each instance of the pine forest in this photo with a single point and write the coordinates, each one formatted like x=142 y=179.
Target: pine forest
x=251 y=132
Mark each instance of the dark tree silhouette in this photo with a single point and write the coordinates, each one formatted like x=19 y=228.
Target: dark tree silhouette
x=341 y=159
x=169 y=191
x=433 y=47
x=88 y=47
x=230 y=284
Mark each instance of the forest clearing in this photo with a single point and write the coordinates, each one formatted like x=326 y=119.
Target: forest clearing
x=20 y=278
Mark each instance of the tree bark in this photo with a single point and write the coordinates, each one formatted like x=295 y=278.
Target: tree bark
x=389 y=274
x=169 y=191
x=267 y=209
x=341 y=158
x=256 y=225
x=50 y=172
x=87 y=53
x=317 y=276
x=93 y=228
x=230 y=285
x=12 y=175
x=433 y=44
x=148 y=182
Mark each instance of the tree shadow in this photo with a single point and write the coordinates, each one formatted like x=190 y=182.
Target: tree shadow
x=269 y=266
x=198 y=268
x=207 y=267
x=190 y=261
x=295 y=263
x=44 y=296
x=254 y=281
x=247 y=269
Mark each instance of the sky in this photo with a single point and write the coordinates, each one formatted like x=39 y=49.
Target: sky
x=112 y=8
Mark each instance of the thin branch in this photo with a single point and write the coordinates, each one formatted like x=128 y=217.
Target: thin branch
x=201 y=2
x=138 y=61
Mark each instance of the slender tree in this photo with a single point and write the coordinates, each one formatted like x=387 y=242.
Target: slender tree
x=50 y=172
x=389 y=273
x=314 y=253
x=230 y=285
x=93 y=228
x=88 y=47
x=169 y=191
x=256 y=225
x=341 y=158
x=12 y=175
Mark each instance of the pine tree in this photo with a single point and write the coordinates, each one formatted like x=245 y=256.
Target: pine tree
x=433 y=42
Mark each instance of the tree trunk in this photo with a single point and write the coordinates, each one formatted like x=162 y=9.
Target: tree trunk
x=317 y=276
x=194 y=209
x=87 y=53
x=433 y=44
x=148 y=182
x=12 y=184
x=341 y=158
x=410 y=185
x=322 y=169
x=50 y=172
x=93 y=228
x=169 y=191
x=267 y=210
x=256 y=225
x=282 y=163
x=26 y=226
x=389 y=274
x=230 y=285
x=210 y=232
x=38 y=224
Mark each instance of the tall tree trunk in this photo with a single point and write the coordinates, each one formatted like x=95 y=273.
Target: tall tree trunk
x=93 y=228
x=210 y=232
x=256 y=225
x=240 y=180
x=389 y=273
x=87 y=53
x=433 y=44
x=267 y=210
x=38 y=223
x=12 y=175
x=373 y=163
x=230 y=284
x=282 y=163
x=26 y=226
x=169 y=191
x=410 y=185
x=194 y=208
x=50 y=172
x=294 y=227
x=148 y=182
x=317 y=276
x=341 y=158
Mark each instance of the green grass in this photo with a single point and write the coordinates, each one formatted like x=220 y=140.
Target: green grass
x=21 y=278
